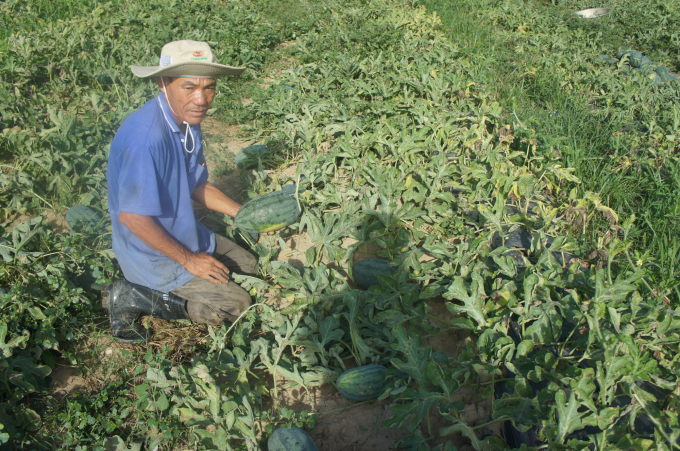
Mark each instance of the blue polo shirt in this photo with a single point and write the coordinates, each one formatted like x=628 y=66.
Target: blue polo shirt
x=151 y=174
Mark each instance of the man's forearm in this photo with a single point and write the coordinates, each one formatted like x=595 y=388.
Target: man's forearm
x=147 y=229
x=215 y=200
x=199 y=264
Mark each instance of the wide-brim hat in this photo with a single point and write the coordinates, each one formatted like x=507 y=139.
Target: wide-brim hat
x=186 y=59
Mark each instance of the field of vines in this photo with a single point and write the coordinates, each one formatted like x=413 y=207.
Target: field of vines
x=524 y=191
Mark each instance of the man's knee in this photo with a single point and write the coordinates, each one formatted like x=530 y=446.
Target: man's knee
x=252 y=267
x=219 y=311
x=242 y=302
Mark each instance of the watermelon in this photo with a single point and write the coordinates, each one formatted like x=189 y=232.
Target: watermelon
x=630 y=53
x=104 y=79
x=639 y=62
x=517 y=239
x=362 y=383
x=248 y=157
x=366 y=271
x=290 y=188
x=606 y=59
x=649 y=68
x=267 y=213
x=290 y=439
x=80 y=217
x=663 y=73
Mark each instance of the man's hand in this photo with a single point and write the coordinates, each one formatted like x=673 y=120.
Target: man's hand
x=198 y=264
x=212 y=198
x=207 y=267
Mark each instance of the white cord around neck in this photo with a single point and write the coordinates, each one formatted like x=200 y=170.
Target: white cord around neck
x=193 y=141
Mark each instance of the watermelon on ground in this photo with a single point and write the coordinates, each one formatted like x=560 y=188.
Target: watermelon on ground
x=290 y=439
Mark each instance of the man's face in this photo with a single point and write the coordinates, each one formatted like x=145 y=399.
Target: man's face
x=190 y=98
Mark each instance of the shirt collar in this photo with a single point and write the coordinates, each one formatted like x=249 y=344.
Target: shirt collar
x=169 y=117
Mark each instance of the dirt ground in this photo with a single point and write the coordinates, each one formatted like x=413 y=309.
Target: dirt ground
x=344 y=426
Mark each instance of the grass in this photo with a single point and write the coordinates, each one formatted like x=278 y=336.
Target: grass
x=522 y=52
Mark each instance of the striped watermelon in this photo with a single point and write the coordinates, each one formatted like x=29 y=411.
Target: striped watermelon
x=290 y=439
x=268 y=213
x=366 y=271
x=362 y=383
x=248 y=157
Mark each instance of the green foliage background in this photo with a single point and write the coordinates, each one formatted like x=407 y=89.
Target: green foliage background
x=425 y=138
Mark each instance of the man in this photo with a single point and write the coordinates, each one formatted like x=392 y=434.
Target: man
x=174 y=267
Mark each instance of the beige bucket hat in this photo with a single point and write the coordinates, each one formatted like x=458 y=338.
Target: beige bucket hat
x=186 y=59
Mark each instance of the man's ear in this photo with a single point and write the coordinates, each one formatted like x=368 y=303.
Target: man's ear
x=159 y=82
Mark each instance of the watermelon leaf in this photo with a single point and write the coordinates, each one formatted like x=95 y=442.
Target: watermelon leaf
x=417 y=356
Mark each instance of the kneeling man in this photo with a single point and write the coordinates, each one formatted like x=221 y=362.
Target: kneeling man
x=174 y=267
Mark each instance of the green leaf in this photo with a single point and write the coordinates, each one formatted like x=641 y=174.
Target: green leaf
x=190 y=417
x=29 y=418
x=16 y=342
x=410 y=345
x=548 y=325
x=569 y=418
x=415 y=442
x=523 y=411
x=162 y=402
x=142 y=391
x=391 y=318
x=524 y=348
x=114 y=443
x=607 y=416
x=330 y=331
x=473 y=304
x=413 y=411
x=36 y=313
x=464 y=430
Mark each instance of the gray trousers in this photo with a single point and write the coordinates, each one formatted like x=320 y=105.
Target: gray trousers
x=218 y=304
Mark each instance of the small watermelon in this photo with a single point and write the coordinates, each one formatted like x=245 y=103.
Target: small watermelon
x=630 y=53
x=248 y=157
x=606 y=59
x=366 y=271
x=290 y=439
x=290 y=188
x=267 y=213
x=663 y=73
x=362 y=383
x=639 y=62
x=518 y=239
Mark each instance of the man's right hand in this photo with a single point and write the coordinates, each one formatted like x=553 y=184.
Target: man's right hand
x=198 y=264
x=206 y=267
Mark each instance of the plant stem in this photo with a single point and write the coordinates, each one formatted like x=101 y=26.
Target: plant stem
x=494 y=381
x=491 y=422
x=341 y=409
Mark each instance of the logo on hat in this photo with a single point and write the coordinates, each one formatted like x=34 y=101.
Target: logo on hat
x=199 y=55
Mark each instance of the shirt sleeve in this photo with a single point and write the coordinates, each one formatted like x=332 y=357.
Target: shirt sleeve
x=138 y=182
